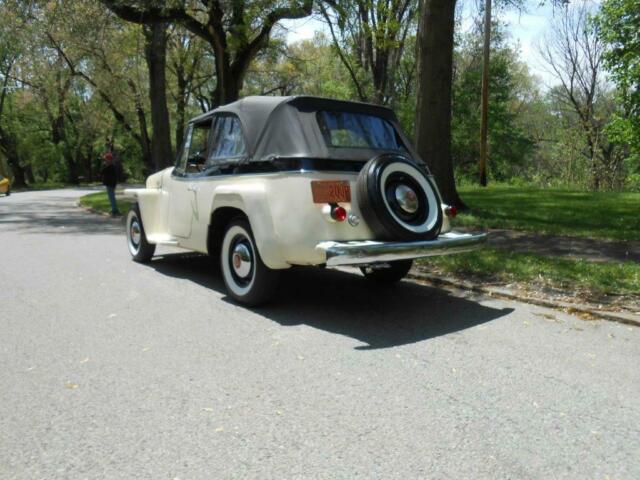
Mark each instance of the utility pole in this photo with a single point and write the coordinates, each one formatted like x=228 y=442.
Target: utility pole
x=485 y=94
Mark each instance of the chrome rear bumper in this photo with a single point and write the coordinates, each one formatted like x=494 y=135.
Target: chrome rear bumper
x=369 y=251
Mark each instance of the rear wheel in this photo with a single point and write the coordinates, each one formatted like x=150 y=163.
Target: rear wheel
x=140 y=249
x=390 y=272
x=247 y=278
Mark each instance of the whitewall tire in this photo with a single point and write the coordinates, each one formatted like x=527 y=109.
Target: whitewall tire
x=140 y=250
x=247 y=278
x=398 y=200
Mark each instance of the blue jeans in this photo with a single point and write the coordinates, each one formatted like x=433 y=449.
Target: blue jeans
x=111 y=193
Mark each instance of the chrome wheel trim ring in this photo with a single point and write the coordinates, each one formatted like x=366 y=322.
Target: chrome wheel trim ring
x=228 y=271
x=133 y=239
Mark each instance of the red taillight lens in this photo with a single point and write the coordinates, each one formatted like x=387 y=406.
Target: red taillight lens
x=451 y=212
x=338 y=213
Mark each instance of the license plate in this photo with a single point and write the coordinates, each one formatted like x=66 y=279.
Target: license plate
x=330 y=191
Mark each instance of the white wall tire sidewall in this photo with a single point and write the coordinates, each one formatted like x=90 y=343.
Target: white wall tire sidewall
x=230 y=281
x=432 y=200
x=133 y=250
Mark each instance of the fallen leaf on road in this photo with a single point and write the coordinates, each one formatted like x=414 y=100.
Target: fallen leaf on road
x=71 y=386
x=111 y=315
x=208 y=409
x=84 y=360
x=220 y=429
x=146 y=349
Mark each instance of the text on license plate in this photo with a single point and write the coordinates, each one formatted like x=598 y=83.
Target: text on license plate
x=330 y=191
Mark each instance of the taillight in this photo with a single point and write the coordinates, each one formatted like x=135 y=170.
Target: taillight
x=338 y=213
x=451 y=212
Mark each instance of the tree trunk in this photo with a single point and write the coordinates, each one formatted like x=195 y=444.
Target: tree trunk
x=435 y=74
x=156 y=56
x=181 y=107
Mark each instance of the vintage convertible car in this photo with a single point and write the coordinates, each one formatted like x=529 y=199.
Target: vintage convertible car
x=270 y=182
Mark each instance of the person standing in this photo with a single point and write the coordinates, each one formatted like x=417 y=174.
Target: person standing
x=110 y=180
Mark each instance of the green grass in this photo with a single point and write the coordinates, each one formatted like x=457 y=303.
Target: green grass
x=614 y=215
x=501 y=266
x=100 y=202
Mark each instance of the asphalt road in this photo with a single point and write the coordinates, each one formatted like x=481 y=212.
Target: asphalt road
x=110 y=369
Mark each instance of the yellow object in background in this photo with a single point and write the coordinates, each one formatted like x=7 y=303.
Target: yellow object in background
x=5 y=186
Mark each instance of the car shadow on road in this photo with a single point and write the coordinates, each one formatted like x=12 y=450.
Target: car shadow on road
x=346 y=304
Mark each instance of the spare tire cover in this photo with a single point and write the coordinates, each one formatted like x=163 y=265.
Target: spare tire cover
x=398 y=200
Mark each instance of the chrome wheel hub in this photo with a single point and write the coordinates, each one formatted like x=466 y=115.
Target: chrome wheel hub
x=407 y=198
x=241 y=260
x=135 y=233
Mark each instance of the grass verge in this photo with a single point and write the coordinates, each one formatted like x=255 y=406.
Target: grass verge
x=573 y=276
x=100 y=202
x=611 y=215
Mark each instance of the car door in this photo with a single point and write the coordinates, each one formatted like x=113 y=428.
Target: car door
x=183 y=185
x=227 y=148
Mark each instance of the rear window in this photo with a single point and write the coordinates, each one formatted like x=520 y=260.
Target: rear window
x=357 y=130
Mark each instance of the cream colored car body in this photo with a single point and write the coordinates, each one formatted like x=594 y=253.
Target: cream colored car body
x=288 y=227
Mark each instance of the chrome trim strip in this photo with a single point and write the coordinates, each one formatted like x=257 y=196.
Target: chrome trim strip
x=363 y=252
x=213 y=178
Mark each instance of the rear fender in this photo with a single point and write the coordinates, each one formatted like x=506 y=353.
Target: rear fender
x=251 y=198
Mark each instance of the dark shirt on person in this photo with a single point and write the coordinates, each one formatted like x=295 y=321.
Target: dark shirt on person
x=109 y=176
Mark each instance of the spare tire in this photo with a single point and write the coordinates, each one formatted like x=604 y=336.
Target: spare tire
x=398 y=200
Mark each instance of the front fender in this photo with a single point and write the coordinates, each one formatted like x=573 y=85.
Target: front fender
x=252 y=199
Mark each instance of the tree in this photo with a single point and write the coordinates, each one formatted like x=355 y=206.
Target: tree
x=11 y=31
x=155 y=50
x=230 y=29
x=433 y=109
x=369 y=37
x=618 y=24
x=511 y=90
x=574 y=54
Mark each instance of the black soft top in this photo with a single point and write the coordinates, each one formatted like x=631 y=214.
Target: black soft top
x=286 y=127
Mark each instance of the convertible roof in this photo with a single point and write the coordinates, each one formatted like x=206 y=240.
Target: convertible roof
x=287 y=127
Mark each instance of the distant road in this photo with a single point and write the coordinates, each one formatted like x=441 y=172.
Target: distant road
x=110 y=369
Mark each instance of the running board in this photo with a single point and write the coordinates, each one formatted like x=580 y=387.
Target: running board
x=160 y=239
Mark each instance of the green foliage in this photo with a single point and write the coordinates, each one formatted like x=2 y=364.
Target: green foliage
x=618 y=24
x=554 y=211
x=99 y=202
x=510 y=148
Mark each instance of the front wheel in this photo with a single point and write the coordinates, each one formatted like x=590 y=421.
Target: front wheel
x=247 y=278
x=140 y=249
x=391 y=272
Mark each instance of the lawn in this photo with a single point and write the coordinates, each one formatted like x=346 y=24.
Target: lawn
x=490 y=264
x=100 y=202
x=614 y=215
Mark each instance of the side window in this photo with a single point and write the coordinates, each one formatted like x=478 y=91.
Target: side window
x=227 y=141
x=181 y=163
x=194 y=150
x=198 y=147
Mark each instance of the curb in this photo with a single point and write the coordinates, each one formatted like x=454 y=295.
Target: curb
x=97 y=212
x=572 y=308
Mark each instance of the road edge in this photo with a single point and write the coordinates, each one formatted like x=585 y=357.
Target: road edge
x=505 y=294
